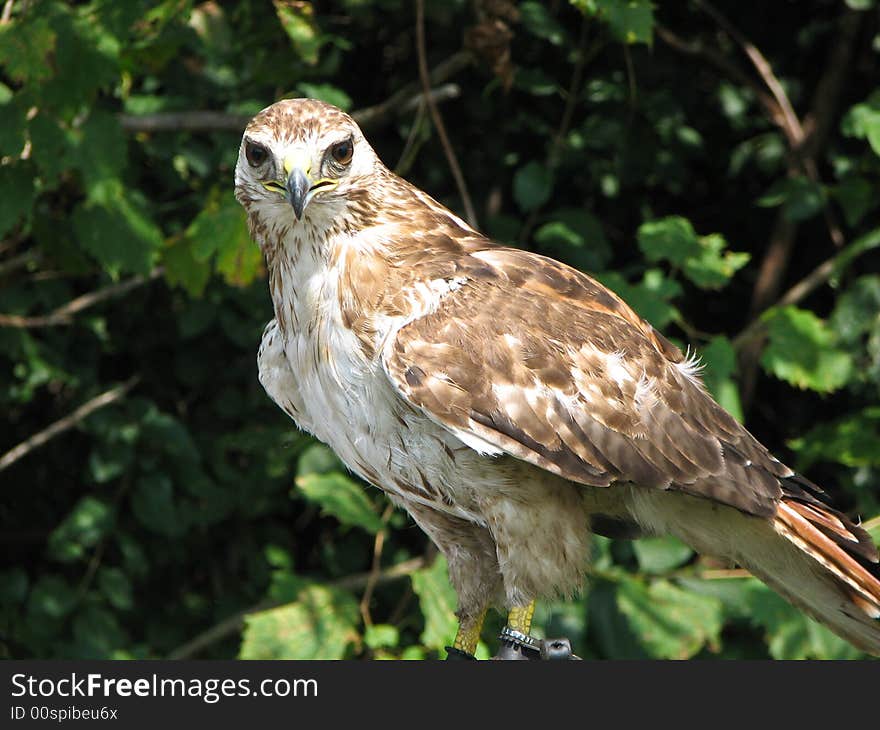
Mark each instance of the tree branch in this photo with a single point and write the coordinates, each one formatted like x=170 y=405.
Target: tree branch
x=454 y=167
x=812 y=281
x=399 y=103
x=805 y=143
x=64 y=314
x=65 y=424
x=235 y=622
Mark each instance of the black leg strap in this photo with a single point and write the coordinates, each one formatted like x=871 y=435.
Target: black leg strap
x=457 y=655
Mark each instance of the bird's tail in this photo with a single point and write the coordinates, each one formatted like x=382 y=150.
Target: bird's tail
x=808 y=552
x=834 y=574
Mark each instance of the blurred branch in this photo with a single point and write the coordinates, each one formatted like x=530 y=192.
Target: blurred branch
x=376 y=568
x=19 y=262
x=375 y=115
x=437 y=119
x=805 y=142
x=64 y=314
x=66 y=423
x=791 y=124
x=235 y=622
x=211 y=121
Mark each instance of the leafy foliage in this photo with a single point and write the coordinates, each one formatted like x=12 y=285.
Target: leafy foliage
x=586 y=132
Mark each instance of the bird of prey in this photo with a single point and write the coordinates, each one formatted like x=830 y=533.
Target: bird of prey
x=510 y=404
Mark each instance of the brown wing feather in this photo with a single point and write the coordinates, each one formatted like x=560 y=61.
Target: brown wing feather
x=544 y=363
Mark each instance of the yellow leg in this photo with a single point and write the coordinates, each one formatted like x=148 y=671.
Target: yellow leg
x=520 y=618
x=469 y=634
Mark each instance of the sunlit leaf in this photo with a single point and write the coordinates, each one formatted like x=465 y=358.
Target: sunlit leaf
x=670 y=622
x=320 y=624
x=83 y=528
x=438 y=602
x=298 y=20
x=25 y=47
x=658 y=555
x=720 y=366
x=340 y=497
x=801 y=350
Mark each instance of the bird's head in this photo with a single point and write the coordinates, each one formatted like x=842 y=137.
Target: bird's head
x=299 y=155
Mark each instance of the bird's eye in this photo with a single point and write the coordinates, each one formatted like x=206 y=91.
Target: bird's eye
x=342 y=152
x=256 y=154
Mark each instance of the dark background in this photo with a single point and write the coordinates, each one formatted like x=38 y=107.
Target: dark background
x=701 y=160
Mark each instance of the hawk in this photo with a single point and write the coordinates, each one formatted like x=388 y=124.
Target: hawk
x=510 y=404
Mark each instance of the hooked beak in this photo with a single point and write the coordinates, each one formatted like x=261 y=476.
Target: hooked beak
x=297 y=187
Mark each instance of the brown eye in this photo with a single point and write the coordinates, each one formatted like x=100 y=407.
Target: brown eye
x=342 y=152
x=256 y=154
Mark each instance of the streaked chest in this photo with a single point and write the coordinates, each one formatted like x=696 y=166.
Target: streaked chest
x=333 y=329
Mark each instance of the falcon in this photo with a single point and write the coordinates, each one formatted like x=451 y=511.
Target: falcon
x=510 y=404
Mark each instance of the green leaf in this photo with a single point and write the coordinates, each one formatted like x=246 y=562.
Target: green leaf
x=703 y=258
x=155 y=507
x=802 y=351
x=116 y=230
x=340 y=497
x=719 y=360
x=86 y=59
x=16 y=194
x=86 y=524
x=538 y=21
x=97 y=633
x=576 y=237
x=115 y=586
x=670 y=239
x=856 y=196
x=327 y=92
x=13 y=116
x=379 y=636
x=320 y=624
x=220 y=230
x=671 y=623
x=608 y=628
x=791 y=635
x=630 y=21
x=13 y=586
x=438 y=602
x=857 y=312
x=183 y=268
x=659 y=555
x=298 y=20
x=863 y=121
x=532 y=186
x=650 y=298
x=25 y=47
x=100 y=154
x=51 y=597
x=800 y=197
x=713 y=267
x=853 y=441
x=318 y=459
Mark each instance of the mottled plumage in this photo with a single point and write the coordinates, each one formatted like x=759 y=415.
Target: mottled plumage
x=509 y=402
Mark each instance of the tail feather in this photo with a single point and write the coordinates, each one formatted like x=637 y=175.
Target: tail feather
x=808 y=552
x=844 y=558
